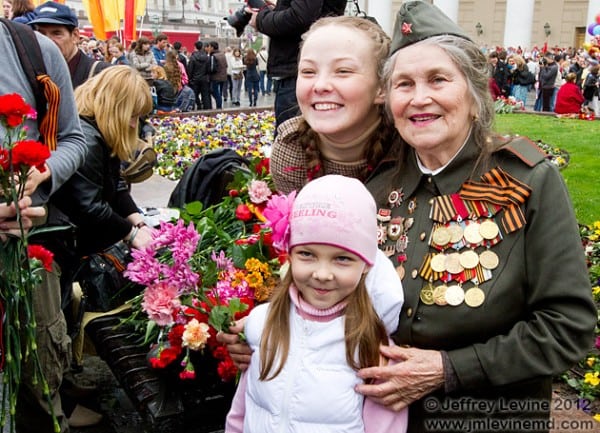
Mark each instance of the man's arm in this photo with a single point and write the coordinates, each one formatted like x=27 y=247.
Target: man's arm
x=71 y=150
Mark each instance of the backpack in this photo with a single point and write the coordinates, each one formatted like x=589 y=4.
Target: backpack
x=45 y=91
x=207 y=179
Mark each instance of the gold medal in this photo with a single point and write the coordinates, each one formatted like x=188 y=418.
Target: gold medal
x=439 y=295
x=455 y=295
x=472 y=234
x=474 y=297
x=469 y=259
x=441 y=236
x=489 y=229
x=438 y=263
x=489 y=259
x=453 y=263
x=426 y=294
x=456 y=233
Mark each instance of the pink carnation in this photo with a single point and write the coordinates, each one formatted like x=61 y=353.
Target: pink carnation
x=277 y=212
x=160 y=302
x=259 y=191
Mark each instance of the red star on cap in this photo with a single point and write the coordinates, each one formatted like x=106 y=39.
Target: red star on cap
x=406 y=28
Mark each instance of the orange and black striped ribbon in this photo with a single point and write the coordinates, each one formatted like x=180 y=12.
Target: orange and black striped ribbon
x=49 y=125
x=500 y=188
x=442 y=209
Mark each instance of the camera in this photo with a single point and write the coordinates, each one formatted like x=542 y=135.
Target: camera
x=543 y=62
x=240 y=18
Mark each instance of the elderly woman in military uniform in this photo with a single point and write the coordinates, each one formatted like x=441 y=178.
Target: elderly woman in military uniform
x=482 y=231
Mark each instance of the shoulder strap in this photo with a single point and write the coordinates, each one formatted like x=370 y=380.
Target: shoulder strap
x=93 y=68
x=526 y=150
x=47 y=94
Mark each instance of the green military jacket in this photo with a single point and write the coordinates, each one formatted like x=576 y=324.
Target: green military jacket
x=530 y=315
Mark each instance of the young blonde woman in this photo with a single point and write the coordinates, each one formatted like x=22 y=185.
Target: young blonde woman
x=95 y=198
x=343 y=128
x=166 y=92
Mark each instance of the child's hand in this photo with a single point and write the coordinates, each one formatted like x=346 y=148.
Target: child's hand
x=240 y=351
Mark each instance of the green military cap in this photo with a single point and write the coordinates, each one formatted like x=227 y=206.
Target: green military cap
x=418 y=20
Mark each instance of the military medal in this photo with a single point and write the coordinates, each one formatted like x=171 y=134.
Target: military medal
x=439 y=295
x=395 y=198
x=441 y=236
x=489 y=259
x=455 y=295
x=488 y=229
x=456 y=233
x=474 y=297
x=412 y=205
x=452 y=263
x=472 y=234
x=426 y=294
x=395 y=228
x=400 y=271
x=438 y=262
x=469 y=259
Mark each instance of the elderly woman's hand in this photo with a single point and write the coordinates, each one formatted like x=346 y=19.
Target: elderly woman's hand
x=240 y=351
x=415 y=373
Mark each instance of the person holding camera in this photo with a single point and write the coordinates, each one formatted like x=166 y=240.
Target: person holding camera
x=285 y=23
x=547 y=79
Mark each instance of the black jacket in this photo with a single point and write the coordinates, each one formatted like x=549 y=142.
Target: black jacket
x=96 y=198
x=285 y=25
x=197 y=68
x=81 y=65
x=165 y=93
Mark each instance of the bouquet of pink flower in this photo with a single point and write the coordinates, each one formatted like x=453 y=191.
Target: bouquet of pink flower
x=205 y=271
x=21 y=262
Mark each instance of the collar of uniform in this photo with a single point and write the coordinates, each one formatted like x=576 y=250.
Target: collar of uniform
x=449 y=180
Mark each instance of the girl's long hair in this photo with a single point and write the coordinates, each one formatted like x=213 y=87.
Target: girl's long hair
x=112 y=98
x=172 y=70
x=364 y=331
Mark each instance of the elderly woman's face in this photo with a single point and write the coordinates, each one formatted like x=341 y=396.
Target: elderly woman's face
x=431 y=103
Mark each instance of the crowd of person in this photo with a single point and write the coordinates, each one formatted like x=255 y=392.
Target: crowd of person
x=561 y=81
x=449 y=221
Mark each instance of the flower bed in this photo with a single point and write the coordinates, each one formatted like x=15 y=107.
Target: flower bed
x=179 y=141
x=585 y=378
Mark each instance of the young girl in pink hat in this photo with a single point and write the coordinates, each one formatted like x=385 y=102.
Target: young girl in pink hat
x=321 y=325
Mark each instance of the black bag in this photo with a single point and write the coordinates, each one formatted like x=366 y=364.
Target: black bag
x=207 y=179
x=102 y=281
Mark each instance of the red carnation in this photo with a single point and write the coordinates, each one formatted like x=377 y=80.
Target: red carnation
x=31 y=153
x=14 y=108
x=187 y=375
x=175 y=336
x=220 y=352
x=227 y=370
x=262 y=168
x=243 y=212
x=40 y=253
x=166 y=356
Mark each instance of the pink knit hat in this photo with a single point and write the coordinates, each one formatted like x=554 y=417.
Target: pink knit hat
x=338 y=211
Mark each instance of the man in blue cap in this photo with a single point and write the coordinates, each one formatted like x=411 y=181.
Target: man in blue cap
x=59 y=23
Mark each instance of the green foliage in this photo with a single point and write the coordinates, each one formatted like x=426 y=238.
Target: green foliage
x=578 y=137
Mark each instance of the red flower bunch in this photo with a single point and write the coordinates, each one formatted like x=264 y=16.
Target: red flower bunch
x=21 y=263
